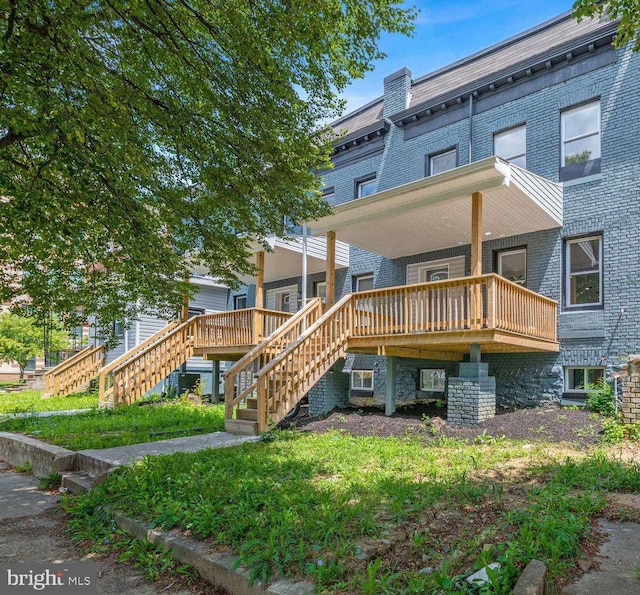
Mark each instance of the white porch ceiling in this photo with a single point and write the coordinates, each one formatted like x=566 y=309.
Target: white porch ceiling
x=435 y=212
x=285 y=259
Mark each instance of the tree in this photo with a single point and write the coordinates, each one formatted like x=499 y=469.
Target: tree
x=628 y=11
x=133 y=134
x=22 y=337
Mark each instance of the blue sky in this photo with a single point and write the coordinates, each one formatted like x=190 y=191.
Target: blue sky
x=448 y=31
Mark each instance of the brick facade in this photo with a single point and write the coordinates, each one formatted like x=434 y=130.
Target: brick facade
x=631 y=392
x=604 y=203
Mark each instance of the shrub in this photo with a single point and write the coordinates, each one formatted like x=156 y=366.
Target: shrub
x=600 y=398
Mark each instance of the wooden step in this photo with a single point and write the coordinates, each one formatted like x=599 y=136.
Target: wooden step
x=252 y=403
x=249 y=414
x=241 y=426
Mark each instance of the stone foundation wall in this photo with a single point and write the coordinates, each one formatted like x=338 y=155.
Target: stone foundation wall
x=631 y=392
x=471 y=400
x=332 y=390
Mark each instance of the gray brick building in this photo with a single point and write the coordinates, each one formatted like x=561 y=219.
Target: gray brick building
x=560 y=103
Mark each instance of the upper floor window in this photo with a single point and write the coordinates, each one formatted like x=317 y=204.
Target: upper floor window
x=581 y=134
x=443 y=162
x=433 y=273
x=583 y=271
x=239 y=302
x=366 y=186
x=511 y=145
x=329 y=194
x=512 y=265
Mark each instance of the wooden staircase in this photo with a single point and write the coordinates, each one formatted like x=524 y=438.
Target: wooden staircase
x=240 y=379
x=74 y=374
x=128 y=378
x=287 y=376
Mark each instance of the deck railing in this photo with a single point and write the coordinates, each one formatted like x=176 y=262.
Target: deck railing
x=127 y=378
x=240 y=380
x=75 y=373
x=483 y=302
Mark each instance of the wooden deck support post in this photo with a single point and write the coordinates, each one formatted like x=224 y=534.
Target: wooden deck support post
x=259 y=304
x=476 y=234
x=390 y=387
x=476 y=258
x=185 y=301
x=331 y=269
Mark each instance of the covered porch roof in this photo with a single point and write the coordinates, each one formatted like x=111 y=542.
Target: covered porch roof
x=285 y=258
x=435 y=212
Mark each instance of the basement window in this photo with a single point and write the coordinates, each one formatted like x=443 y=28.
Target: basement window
x=577 y=379
x=362 y=380
x=432 y=380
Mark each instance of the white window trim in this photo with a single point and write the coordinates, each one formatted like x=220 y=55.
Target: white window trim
x=502 y=253
x=564 y=140
x=362 y=373
x=361 y=183
x=316 y=286
x=579 y=391
x=431 y=370
x=235 y=301
x=437 y=155
x=359 y=278
x=432 y=267
x=505 y=133
x=567 y=287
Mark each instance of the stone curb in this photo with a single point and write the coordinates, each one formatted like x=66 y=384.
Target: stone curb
x=44 y=458
x=532 y=579
x=217 y=568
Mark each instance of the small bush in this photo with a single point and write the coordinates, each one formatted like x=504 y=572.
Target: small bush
x=600 y=398
x=50 y=482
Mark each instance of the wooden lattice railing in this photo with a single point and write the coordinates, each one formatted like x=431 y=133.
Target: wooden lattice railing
x=127 y=378
x=240 y=380
x=75 y=373
x=483 y=302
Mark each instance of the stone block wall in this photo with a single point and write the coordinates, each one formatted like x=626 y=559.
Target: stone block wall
x=332 y=390
x=631 y=392
x=471 y=400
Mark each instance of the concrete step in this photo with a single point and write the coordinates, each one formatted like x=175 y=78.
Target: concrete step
x=77 y=482
x=241 y=426
x=248 y=414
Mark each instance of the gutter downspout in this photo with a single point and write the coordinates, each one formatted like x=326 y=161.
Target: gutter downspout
x=470 y=125
x=304 y=265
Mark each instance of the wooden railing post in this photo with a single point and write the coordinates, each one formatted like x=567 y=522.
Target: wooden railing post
x=492 y=287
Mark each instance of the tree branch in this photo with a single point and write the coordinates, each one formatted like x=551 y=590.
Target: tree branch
x=11 y=137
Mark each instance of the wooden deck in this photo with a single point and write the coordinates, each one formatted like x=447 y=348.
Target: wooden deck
x=437 y=320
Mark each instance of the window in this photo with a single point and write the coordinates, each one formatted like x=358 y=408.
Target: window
x=581 y=134
x=432 y=380
x=320 y=290
x=434 y=273
x=366 y=186
x=283 y=301
x=363 y=282
x=578 y=379
x=328 y=194
x=443 y=162
x=195 y=312
x=239 y=302
x=583 y=271
x=511 y=145
x=118 y=329
x=362 y=379
x=512 y=265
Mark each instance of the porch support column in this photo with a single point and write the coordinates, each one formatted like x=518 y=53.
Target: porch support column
x=331 y=269
x=260 y=280
x=215 y=381
x=185 y=300
x=390 y=386
x=259 y=304
x=476 y=234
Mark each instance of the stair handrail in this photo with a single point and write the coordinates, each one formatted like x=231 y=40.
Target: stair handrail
x=108 y=371
x=74 y=361
x=248 y=364
x=270 y=369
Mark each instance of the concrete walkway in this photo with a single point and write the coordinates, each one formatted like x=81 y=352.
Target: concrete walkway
x=619 y=563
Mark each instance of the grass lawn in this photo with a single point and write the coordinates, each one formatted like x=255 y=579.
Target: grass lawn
x=103 y=428
x=371 y=515
x=27 y=401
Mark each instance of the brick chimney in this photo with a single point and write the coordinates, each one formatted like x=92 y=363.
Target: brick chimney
x=397 y=92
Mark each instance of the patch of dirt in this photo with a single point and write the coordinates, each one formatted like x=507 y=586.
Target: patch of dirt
x=550 y=423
